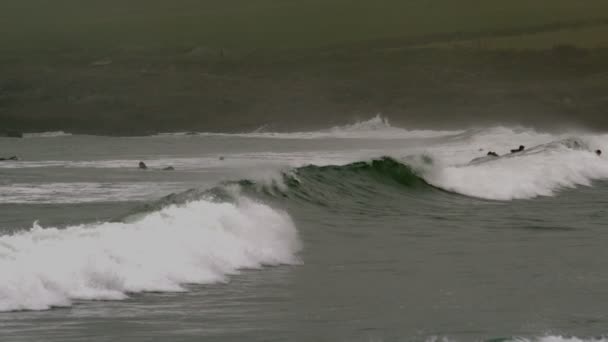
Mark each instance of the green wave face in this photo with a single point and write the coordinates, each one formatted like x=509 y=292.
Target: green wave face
x=327 y=186
x=374 y=185
x=385 y=170
x=352 y=186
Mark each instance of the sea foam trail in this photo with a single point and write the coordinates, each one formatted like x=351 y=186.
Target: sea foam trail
x=199 y=242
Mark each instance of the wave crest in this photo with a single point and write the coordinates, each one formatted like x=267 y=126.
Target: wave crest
x=539 y=171
x=53 y=134
x=377 y=127
x=199 y=242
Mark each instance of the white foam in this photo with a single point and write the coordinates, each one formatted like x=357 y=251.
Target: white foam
x=547 y=166
x=559 y=339
x=53 y=134
x=158 y=164
x=236 y=160
x=377 y=127
x=539 y=171
x=83 y=192
x=200 y=242
x=547 y=338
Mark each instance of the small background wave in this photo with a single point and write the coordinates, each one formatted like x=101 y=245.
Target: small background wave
x=81 y=192
x=547 y=338
x=377 y=127
x=53 y=134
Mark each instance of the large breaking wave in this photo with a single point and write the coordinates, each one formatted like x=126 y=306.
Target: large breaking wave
x=543 y=170
x=197 y=242
x=539 y=171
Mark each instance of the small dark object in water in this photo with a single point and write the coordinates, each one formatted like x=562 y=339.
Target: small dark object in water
x=9 y=158
x=221 y=158
x=521 y=148
x=169 y=168
x=493 y=154
x=143 y=165
x=598 y=152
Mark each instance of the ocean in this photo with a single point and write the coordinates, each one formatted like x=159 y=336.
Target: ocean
x=362 y=232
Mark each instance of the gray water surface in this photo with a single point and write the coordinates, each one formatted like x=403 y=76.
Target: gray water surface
x=394 y=264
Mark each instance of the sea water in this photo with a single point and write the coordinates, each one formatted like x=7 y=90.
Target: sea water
x=365 y=232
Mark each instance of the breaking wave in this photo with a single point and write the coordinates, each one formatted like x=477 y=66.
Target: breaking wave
x=198 y=242
x=202 y=236
x=539 y=171
x=547 y=338
x=377 y=127
x=53 y=134
x=543 y=170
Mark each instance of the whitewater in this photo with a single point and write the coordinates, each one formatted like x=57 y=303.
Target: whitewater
x=197 y=243
x=551 y=161
x=360 y=232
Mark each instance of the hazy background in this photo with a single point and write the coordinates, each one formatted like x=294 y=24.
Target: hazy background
x=140 y=67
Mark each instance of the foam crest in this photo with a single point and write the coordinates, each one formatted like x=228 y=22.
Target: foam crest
x=236 y=160
x=548 y=338
x=380 y=127
x=559 y=339
x=377 y=127
x=539 y=171
x=53 y=134
x=200 y=242
x=82 y=192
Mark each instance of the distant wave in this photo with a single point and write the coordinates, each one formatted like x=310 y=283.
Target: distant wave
x=53 y=134
x=199 y=242
x=553 y=338
x=181 y=163
x=82 y=192
x=237 y=160
x=377 y=127
x=547 y=338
